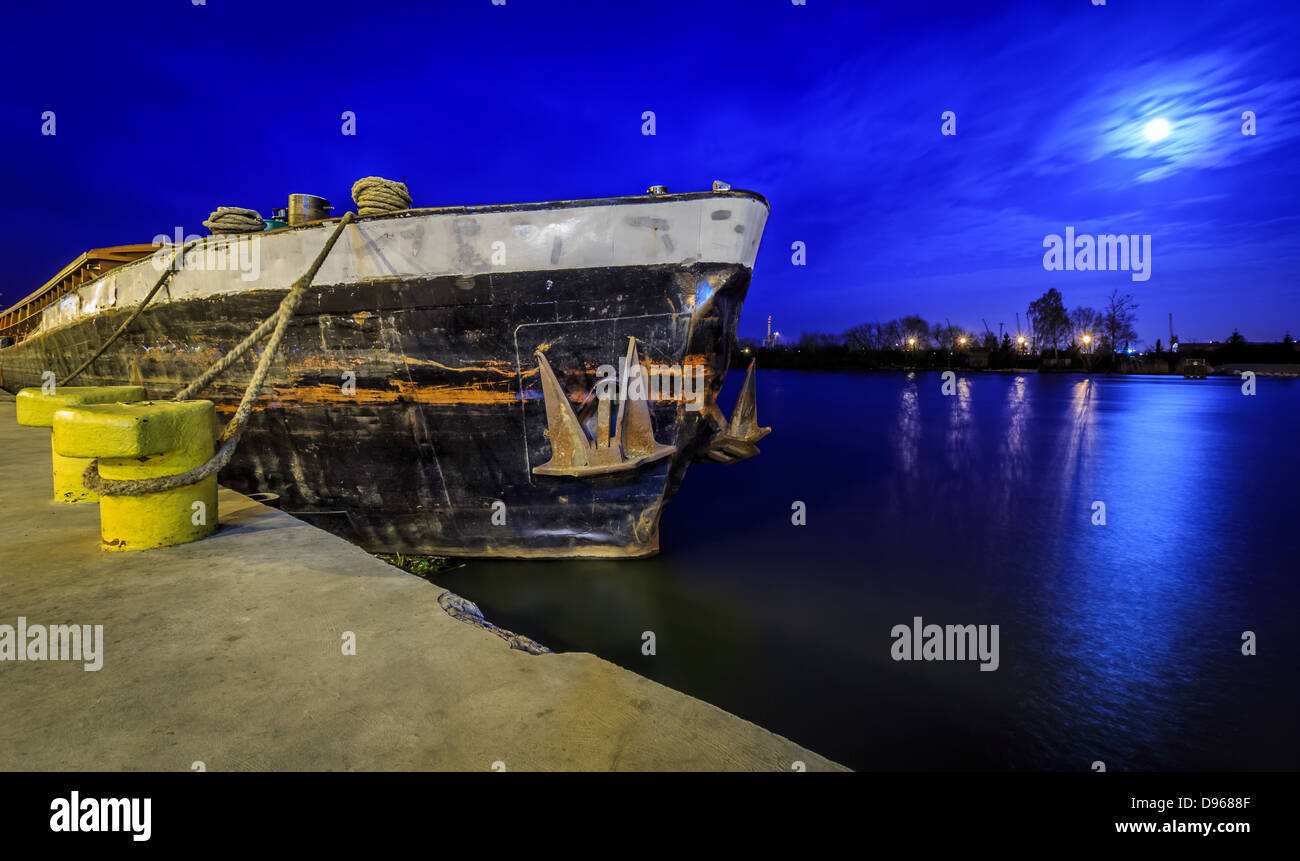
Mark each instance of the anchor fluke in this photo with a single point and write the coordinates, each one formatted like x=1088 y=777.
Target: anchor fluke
x=737 y=441
x=574 y=453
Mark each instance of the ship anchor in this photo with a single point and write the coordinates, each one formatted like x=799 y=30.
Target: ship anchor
x=574 y=453
x=735 y=440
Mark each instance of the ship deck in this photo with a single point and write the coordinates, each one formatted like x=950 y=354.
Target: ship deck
x=228 y=652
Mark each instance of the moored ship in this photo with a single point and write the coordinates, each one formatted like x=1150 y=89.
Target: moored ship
x=437 y=390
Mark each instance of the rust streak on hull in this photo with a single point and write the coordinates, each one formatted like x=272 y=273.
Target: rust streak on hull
x=448 y=415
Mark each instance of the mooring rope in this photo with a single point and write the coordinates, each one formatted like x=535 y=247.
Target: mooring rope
x=181 y=251
x=235 y=428
x=235 y=219
x=224 y=220
x=375 y=195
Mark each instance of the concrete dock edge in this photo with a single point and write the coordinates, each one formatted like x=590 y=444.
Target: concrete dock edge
x=229 y=652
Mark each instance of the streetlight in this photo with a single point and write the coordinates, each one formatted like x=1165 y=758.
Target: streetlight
x=911 y=342
x=961 y=342
x=1087 y=341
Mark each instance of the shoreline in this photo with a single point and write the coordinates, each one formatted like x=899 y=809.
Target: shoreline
x=1232 y=371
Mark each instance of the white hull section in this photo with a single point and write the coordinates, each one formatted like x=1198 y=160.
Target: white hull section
x=720 y=227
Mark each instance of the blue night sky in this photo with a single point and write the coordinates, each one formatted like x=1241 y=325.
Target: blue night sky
x=831 y=110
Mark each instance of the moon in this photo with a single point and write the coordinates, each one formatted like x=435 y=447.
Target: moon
x=1157 y=130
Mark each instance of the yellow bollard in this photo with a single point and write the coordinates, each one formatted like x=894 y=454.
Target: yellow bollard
x=36 y=409
x=146 y=440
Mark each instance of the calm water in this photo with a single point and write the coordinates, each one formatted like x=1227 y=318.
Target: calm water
x=1119 y=643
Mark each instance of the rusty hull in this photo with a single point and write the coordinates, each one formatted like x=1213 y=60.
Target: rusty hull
x=448 y=416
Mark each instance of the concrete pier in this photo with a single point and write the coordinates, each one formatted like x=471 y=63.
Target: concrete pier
x=229 y=652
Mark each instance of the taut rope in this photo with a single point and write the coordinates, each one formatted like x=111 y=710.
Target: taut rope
x=162 y=279
x=279 y=321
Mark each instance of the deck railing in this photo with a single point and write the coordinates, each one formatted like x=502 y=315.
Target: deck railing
x=20 y=320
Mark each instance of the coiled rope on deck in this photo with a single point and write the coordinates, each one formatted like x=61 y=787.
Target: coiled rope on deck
x=277 y=324
x=375 y=195
x=235 y=219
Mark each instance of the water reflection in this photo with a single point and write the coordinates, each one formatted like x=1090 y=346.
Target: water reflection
x=907 y=427
x=961 y=439
x=1068 y=463
x=1119 y=642
x=1130 y=621
x=1013 y=450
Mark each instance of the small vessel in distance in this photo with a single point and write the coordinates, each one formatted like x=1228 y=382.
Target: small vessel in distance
x=434 y=392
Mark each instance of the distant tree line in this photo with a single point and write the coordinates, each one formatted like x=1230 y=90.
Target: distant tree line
x=1084 y=338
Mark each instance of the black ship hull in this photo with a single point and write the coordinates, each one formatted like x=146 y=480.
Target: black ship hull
x=408 y=413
